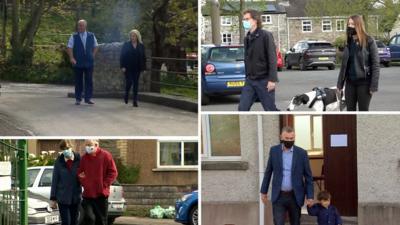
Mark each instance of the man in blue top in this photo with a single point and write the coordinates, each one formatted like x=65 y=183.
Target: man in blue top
x=82 y=48
x=292 y=179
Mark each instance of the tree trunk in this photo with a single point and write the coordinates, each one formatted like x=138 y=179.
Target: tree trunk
x=4 y=31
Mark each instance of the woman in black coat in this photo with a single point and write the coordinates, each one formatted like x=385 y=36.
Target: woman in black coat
x=359 y=72
x=66 y=190
x=132 y=63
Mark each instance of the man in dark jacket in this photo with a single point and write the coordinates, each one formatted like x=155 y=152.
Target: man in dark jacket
x=96 y=173
x=260 y=64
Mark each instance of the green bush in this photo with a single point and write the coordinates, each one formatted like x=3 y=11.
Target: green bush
x=44 y=159
x=339 y=43
x=127 y=174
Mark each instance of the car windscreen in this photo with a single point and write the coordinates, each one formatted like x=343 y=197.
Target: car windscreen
x=227 y=54
x=380 y=44
x=320 y=45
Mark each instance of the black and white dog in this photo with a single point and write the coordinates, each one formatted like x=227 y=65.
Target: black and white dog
x=319 y=99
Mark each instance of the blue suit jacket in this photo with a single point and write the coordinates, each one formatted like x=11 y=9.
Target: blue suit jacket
x=302 y=180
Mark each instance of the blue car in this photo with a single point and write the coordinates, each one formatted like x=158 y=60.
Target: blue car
x=186 y=209
x=394 y=45
x=384 y=53
x=222 y=71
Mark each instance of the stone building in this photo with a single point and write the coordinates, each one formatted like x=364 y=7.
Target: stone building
x=356 y=160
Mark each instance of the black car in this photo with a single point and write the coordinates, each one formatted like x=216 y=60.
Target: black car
x=313 y=54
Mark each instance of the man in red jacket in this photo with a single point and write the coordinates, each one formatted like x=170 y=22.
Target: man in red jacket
x=96 y=173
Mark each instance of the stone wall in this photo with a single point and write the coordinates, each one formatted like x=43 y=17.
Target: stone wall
x=107 y=76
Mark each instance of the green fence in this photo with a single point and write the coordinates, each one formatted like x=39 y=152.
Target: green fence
x=13 y=183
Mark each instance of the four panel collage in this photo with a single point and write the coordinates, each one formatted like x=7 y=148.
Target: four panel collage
x=199 y=112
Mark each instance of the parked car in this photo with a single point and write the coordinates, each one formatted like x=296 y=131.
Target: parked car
x=394 y=46
x=187 y=209
x=40 y=183
x=223 y=71
x=313 y=54
x=39 y=211
x=384 y=53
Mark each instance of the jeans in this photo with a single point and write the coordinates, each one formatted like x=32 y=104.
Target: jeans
x=132 y=78
x=286 y=203
x=80 y=75
x=254 y=89
x=95 y=210
x=357 y=94
x=69 y=214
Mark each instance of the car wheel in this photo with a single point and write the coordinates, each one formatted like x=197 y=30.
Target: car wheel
x=331 y=67
x=205 y=99
x=387 y=64
x=110 y=220
x=288 y=66
x=314 y=67
x=302 y=65
x=194 y=216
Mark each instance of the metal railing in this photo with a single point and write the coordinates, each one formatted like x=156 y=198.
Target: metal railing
x=13 y=192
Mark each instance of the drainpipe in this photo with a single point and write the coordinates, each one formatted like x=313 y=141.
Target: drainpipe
x=260 y=165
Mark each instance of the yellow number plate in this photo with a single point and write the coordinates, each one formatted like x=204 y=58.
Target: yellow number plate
x=323 y=58
x=235 y=84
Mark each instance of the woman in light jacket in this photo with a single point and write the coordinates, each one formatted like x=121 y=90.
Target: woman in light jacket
x=66 y=191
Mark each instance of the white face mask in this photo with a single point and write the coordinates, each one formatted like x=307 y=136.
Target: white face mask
x=67 y=153
x=89 y=149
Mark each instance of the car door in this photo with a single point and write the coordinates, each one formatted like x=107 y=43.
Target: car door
x=394 y=46
x=290 y=57
x=298 y=53
x=44 y=185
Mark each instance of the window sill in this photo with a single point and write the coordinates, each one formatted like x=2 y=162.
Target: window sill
x=175 y=170
x=224 y=165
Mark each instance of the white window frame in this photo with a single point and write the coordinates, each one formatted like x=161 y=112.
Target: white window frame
x=182 y=152
x=266 y=16
x=222 y=38
x=225 y=19
x=302 y=26
x=322 y=25
x=344 y=24
x=206 y=142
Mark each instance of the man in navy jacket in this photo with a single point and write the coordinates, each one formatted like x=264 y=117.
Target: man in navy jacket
x=81 y=49
x=292 y=179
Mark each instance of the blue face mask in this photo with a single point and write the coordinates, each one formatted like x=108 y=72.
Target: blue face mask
x=67 y=153
x=89 y=149
x=246 y=24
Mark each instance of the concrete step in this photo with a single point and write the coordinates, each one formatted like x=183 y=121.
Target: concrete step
x=312 y=220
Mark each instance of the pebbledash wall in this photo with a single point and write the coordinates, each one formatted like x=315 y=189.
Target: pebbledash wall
x=108 y=80
x=230 y=190
x=378 y=156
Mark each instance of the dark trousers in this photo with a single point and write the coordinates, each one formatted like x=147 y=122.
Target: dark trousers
x=81 y=75
x=254 y=89
x=132 y=78
x=357 y=94
x=69 y=214
x=286 y=203
x=95 y=210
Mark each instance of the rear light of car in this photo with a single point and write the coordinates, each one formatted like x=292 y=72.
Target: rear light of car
x=210 y=69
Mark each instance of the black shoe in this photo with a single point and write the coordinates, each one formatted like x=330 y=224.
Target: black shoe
x=135 y=104
x=89 y=102
x=77 y=103
x=126 y=100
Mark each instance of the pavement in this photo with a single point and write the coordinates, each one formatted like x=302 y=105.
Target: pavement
x=124 y=220
x=294 y=82
x=45 y=110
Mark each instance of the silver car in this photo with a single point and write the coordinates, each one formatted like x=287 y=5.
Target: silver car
x=40 y=183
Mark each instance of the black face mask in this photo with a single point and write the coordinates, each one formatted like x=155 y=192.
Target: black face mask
x=287 y=144
x=351 y=31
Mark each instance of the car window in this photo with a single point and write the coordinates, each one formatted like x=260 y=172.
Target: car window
x=45 y=180
x=32 y=174
x=394 y=41
x=320 y=45
x=228 y=54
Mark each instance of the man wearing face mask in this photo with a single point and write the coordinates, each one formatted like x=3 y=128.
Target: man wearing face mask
x=260 y=64
x=292 y=179
x=66 y=190
x=96 y=173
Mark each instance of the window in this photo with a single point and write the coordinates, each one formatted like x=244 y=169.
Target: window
x=45 y=180
x=306 y=26
x=32 y=174
x=176 y=154
x=266 y=19
x=340 y=25
x=326 y=25
x=227 y=38
x=309 y=133
x=222 y=137
x=226 y=20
